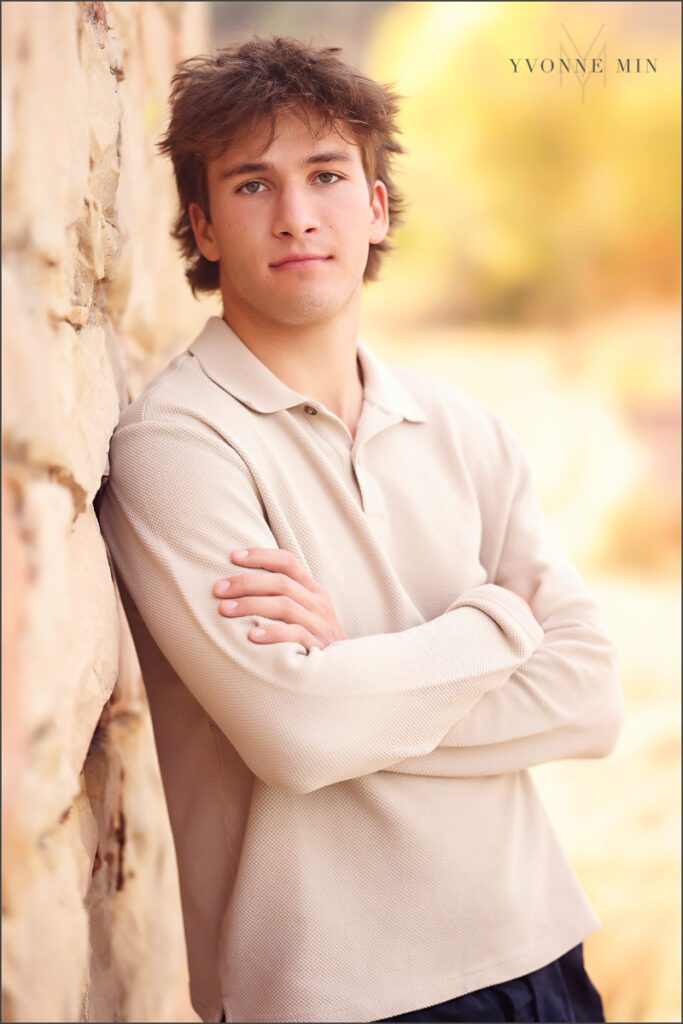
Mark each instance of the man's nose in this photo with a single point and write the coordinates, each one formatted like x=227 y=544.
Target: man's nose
x=295 y=213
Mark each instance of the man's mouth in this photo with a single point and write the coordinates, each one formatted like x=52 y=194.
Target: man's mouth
x=295 y=262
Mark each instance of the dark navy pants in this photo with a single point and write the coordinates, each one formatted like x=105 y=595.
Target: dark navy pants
x=560 y=991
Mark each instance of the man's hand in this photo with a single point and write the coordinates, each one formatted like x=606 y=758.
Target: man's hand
x=286 y=591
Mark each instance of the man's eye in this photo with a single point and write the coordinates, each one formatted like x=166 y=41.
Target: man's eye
x=250 y=191
x=253 y=188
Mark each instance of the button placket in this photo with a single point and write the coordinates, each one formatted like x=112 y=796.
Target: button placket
x=324 y=420
x=322 y=424
x=373 y=503
x=326 y=427
x=353 y=456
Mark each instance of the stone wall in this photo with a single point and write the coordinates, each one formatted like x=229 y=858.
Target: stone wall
x=94 y=303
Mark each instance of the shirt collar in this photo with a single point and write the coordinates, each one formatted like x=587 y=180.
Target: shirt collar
x=233 y=366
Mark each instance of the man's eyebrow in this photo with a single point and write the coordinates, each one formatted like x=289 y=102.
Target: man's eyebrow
x=330 y=156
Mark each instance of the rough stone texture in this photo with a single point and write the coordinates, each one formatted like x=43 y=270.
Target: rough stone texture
x=94 y=303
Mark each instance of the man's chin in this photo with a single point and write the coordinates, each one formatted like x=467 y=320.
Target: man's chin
x=307 y=310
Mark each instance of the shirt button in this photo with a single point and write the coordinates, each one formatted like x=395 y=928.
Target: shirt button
x=310 y=410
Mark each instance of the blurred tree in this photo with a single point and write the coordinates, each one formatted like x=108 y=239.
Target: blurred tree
x=529 y=202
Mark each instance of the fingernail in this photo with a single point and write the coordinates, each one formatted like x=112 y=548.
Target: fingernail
x=223 y=587
x=240 y=554
x=258 y=632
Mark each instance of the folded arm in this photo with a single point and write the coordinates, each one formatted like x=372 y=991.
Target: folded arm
x=179 y=498
x=566 y=700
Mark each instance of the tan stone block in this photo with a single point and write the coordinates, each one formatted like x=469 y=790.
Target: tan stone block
x=28 y=407
x=45 y=935
x=128 y=696
x=46 y=170
x=95 y=404
x=124 y=21
x=50 y=631
x=96 y=656
x=15 y=582
x=63 y=404
x=112 y=45
x=47 y=651
x=118 y=362
x=104 y=117
x=7 y=93
x=138 y=965
x=111 y=250
x=78 y=268
x=103 y=775
x=69 y=649
x=90 y=237
x=85 y=838
x=77 y=316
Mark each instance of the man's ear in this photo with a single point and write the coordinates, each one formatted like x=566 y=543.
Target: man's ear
x=379 y=212
x=203 y=233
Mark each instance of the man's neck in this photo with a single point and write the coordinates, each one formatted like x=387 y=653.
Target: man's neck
x=318 y=360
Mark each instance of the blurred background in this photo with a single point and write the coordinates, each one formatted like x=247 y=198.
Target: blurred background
x=538 y=269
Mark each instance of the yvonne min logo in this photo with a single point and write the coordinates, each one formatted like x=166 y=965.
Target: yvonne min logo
x=589 y=64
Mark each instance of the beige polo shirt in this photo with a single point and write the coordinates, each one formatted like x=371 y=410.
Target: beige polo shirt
x=357 y=833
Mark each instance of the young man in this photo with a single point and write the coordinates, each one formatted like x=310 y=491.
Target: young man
x=344 y=731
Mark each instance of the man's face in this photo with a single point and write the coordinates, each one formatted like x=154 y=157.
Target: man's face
x=301 y=196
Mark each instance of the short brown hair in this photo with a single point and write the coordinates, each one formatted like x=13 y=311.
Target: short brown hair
x=214 y=97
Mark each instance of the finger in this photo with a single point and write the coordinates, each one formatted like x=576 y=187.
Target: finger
x=281 y=608
x=276 y=633
x=258 y=583
x=277 y=560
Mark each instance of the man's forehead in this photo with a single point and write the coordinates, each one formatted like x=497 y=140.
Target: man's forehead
x=254 y=142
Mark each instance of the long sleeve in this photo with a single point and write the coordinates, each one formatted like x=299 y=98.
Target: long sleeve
x=566 y=700
x=178 y=500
